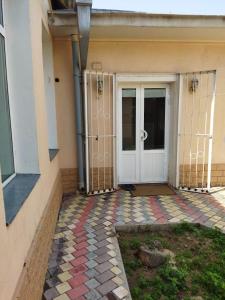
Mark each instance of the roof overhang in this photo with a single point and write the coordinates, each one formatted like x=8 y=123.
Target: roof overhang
x=120 y=25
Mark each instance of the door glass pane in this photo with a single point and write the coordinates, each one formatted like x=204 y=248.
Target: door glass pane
x=154 y=118
x=129 y=119
x=6 y=149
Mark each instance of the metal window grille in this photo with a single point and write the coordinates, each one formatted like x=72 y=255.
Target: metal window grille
x=100 y=132
x=195 y=137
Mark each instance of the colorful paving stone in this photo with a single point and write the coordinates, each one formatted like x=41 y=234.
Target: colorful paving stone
x=85 y=262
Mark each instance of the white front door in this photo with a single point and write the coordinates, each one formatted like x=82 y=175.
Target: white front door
x=143 y=133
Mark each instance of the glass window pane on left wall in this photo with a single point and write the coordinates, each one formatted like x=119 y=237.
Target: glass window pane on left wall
x=1 y=13
x=6 y=147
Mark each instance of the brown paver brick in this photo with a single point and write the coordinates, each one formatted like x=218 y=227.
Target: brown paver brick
x=105 y=276
x=103 y=258
x=101 y=237
x=102 y=250
x=103 y=267
x=107 y=287
x=102 y=243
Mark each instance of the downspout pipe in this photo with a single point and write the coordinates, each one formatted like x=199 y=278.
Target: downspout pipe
x=83 y=9
x=80 y=53
x=78 y=112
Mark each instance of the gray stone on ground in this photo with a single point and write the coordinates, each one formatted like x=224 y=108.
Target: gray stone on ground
x=154 y=258
x=155 y=244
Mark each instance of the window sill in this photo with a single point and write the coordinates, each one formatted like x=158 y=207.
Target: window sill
x=16 y=192
x=52 y=153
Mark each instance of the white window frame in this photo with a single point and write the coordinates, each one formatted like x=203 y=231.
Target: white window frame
x=3 y=33
x=2 y=30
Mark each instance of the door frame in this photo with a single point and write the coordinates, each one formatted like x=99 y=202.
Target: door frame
x=143 y=80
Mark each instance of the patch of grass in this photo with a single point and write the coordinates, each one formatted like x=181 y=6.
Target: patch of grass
x=136 y=293
x=143 y=282
x=147 y=297
x=132 y=265
x=135 y=244
x=124 y=245
x=200 y=264
x=184 y=227
x=173 y=280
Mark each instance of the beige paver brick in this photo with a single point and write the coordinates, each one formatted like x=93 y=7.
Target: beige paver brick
x=63 y=287
x=64 y=276
x=62 y=297
x=66 y=266
x=120 y=292
x=118 y=280
x=116 y=270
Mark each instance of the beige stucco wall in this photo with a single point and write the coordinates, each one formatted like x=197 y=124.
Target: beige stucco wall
x=65 y=103
x=17 y=237
x=142 y=57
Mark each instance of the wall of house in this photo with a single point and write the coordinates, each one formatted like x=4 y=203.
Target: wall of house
x=143 y=57
x=25 y=242
x=65 y=113
x=149 y=57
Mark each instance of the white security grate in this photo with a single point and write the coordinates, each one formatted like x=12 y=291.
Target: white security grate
x=196 y=120
x=99 y=132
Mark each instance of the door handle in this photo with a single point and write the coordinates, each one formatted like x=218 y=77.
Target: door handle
x=145 y=135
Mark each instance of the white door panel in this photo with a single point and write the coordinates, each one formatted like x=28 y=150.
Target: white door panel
x=128 y=168
x=143 y=133
x=153 y=167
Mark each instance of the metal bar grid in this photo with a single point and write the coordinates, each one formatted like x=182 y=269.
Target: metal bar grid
x=212 y=112
x=86 y=133
x=197 y=110
x=100 y=132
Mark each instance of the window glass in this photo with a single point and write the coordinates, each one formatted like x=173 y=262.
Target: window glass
x=154 y=118
x=129 y=119
x=1 y=13
x=6 y=148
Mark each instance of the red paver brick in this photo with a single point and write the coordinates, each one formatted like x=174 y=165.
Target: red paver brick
x=80 y=239
x=77 y=292
x=78 y=280
x=79 y=231
x=78 y=270
x=79 y=261
x=81 y=245
x=80 y=252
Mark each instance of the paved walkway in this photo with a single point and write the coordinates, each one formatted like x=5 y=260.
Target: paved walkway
x=86 y=263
